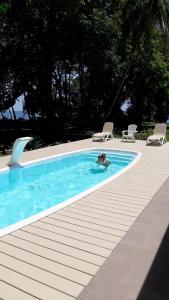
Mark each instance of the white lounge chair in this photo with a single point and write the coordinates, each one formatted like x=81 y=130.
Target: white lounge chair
x=130 y=133
x=107 y=132
x=159 y=134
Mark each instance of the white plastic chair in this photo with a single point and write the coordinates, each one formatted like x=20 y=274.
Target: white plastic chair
x=159 y=134
x=107 y=132
x=130 y=133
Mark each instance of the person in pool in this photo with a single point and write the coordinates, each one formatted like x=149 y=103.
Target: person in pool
x=102 y=160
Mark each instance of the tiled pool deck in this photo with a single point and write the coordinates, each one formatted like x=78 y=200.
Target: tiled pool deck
x=56 y=257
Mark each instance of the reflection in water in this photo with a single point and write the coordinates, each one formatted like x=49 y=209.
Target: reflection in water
x=15 y=177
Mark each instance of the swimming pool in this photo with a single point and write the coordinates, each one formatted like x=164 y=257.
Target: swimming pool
x=37 y=189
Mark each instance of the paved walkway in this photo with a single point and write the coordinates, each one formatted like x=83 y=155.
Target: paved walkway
x=138 y=268
x=57 y=256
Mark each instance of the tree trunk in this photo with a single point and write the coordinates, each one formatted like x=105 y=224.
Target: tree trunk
x=69 y=89
x=123 y=79
x=10 y=114
x=14 y=114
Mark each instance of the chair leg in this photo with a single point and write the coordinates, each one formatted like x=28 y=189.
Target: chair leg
x=162 y=141
x=133 y=139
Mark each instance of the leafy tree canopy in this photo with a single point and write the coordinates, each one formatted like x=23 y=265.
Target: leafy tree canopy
x=81 y=59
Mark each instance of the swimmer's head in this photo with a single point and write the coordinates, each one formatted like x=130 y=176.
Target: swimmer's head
x=102 y=157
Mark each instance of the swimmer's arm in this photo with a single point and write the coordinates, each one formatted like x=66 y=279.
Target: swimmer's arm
x=98 y=162
x=107 y=163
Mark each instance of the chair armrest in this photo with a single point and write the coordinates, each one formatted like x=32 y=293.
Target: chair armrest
x=124 y=131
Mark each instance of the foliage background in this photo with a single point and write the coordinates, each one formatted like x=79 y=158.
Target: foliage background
x=78 y=61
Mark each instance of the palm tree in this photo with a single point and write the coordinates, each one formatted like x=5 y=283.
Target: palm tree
x=140 y=20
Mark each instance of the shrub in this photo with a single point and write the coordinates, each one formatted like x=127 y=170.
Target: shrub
x=143 y=135
x=36 y=143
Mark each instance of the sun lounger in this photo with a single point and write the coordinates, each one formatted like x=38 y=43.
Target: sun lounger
x=107 y=132
x=159 y=135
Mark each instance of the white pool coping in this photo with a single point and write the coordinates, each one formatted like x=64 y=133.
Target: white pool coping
x=57 y=207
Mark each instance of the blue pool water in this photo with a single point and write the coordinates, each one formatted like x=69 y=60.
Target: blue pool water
x=34 y=188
